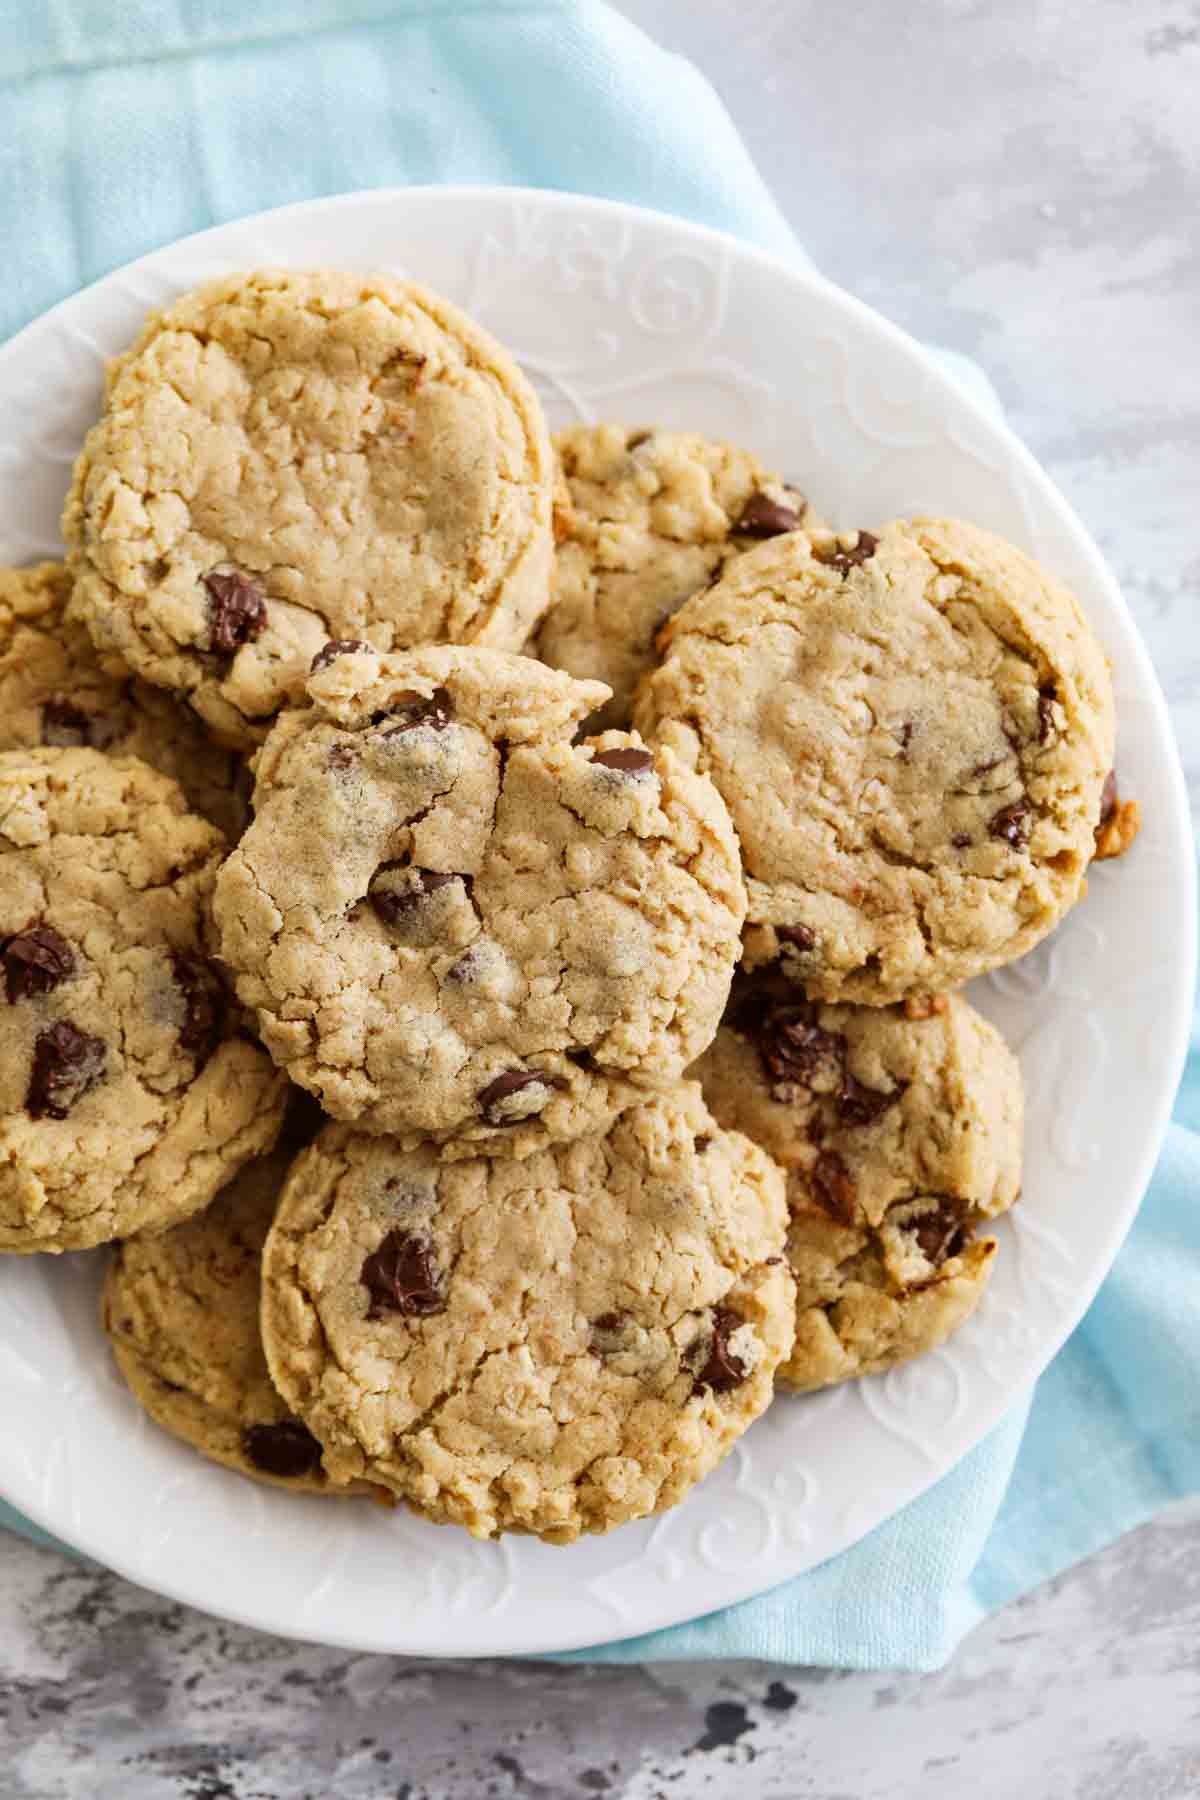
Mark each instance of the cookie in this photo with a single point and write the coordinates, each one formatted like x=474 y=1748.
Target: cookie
x=652 y=517
x=286 y=457
x=555 y=1346
x=899 y=1136
x=911 y=732
x=128 y=1097
x=55 y=690
x=450 y=919
x=181 y=1314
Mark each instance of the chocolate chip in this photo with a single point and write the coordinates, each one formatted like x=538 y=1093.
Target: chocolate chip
x=237 y=610
x=762 y=517
x=404 y=889
x=410 y=709
x=65 y=725
x=607 y=1335
x=961 y=840
x=700 y=1144
x=800 y=937
x=400 y=1276
x=288 y=1449
x=637 y=438
x=941 y=1234
x=842 y=558
x=1013 y=824
x=1109 y=798
x=722 y=1369
x=832 y=1187
x=1047 y=695
x=67 y=1062
x=35 y=961
x=513 y=1081
x=862 y=1105
x=203 y=1004
x=625 y=762
x=333 y=649
x=583 y=1058
x=906 y=735
x=794 y=1048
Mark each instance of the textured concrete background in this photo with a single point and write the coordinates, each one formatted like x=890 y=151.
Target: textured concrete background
x=1017 y=178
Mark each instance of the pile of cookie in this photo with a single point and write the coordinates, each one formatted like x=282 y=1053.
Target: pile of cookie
x=482 y=919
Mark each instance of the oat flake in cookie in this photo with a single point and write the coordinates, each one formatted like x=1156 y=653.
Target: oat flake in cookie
x=556 y=1346
x=286 y=457
x=127 y=1095
x=56 y=690
x=899 y=1137
x=652 y=517
x=911 y=731
x=451 y=919
x=181 y=1313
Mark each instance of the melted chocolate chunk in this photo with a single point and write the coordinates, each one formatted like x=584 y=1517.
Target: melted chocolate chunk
x=237 y=610
x=65 y=725
x=862 y=1105
x=35 y=962
x=833 y=1188
x=333 y=649
x=722 y=1369
x=513 y=1081
x=1013 y=824
x=203 y=1004
x=607 y=1333
x=67 y=1062
x=410 y=709
x=940 y=1235
x=800 y=937
x=961 y=840
x=762 y=517
x=288 y=1449
x=839 y=557
x=401 y=1277
x=396 y=905
x=700 y=1144
x=625 y=762
x=1109 y=798
x=794 y=1047
x=1047 y=695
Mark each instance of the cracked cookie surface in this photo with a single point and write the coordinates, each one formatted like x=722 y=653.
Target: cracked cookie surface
x=181 y=1314
x=911 y=732
x=127 y=1099
x=450 y=919
x=56 y=690
x=898 y=1137
x=556 y=1346
x=653 y=516
x=289 y=456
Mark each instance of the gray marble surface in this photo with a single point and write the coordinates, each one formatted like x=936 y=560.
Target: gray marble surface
x=1019 y=179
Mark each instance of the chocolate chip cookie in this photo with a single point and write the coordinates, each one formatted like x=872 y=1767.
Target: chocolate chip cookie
x=286 y=457
x=652 y=517
x=54 y=689
x=451 y=919
x=911 y=731
x=181 y=1314
x=555 y=1346
x=899 y=1136
x=127 y=1094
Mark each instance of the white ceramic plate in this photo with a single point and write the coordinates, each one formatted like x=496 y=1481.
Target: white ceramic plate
x=626 y=314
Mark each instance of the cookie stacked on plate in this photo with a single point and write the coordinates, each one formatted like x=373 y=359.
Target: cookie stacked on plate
x=499 y=1070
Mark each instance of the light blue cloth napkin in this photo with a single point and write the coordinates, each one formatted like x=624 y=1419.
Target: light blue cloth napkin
x=127 y=123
